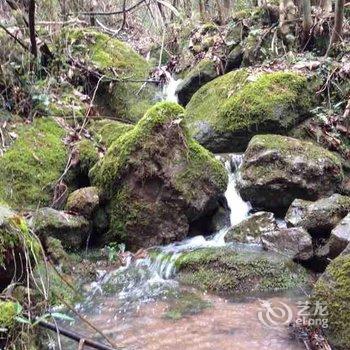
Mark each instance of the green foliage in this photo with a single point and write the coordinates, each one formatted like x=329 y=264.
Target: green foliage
x=9 y=310
x=32 y=164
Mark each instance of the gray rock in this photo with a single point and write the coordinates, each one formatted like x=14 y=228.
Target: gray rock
x=234 y=59
x=278 y=169
x=318 y=217
x=201 y=74
x=71 y=230
x=338 y=241
x=294 y=242
x=250 y=229
x=84 y=201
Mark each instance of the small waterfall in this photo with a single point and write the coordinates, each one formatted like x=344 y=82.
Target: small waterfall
x=148 y=278
x=239 y=208
x=169 y=90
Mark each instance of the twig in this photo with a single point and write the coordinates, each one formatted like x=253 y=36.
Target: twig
x=14 y=37
x=111 y=13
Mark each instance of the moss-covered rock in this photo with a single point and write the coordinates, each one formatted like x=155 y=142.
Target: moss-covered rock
x=225 y=113
x=198 y=76
x=158 y=179
x=107 y=131
x=232 y=271
x=84 y=201
x=278 y=169
x=332 y=291
x=8 y=311
x=16 y=244
x=71 y=230
x=250 y=229
x=125 y=95
x=33 y=163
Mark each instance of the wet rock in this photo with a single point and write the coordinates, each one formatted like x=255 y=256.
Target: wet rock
x=235 y=271
x=338 y=241
x=318 y=217
x=294 y=242
x=332 y=292
x=201 y=74
x=278 y=169
x=251 y=229
x=225 y=113
x=71 y=230
x=84 y=201
x=157 y=180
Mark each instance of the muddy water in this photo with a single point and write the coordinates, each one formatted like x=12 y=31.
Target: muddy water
x=223 y=325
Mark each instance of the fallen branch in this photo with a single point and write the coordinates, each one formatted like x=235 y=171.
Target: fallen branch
x=111 y=13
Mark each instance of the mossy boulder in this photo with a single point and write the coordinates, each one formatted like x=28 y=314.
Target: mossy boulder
x=158 y=180
x=234 y=271
x=87 y=155
x=106 y=131
x=225 y=113
x=32 y=164
x=332 y=291
x=72 y=230
x=121 y=93
x=278 y=169
x=8 y=311
x=16 y=244
x=198 y=76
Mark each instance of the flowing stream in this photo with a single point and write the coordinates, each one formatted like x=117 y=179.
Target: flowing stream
x=133 y=305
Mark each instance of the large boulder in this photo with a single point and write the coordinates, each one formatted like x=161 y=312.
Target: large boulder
x=235 y=271
x=121 y=92
x=32 y=165
x=251 y=229
x=278 y=169
x=332 y=292
x=72 y=230
x=318 y=217
x=294 y=242
x=198 y=76
x=340 y=237
x=225 y=113
x=158 y=180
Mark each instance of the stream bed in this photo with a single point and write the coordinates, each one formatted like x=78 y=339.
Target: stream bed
x=143 y=306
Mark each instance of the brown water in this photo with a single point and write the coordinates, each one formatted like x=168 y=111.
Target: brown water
x=224 y=325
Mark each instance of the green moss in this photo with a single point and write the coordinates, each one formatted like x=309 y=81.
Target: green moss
x=235 y=102
x=32 y=164
x=117 y=159
x=184 y=304
x=115 y=59
x=230 y=271
x=107 y=131
x=8 y=311
x=333 y=291
x=88 y=155
x=287 y=146
x=201 y=165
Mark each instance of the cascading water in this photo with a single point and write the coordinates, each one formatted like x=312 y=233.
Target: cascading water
x=130 y=302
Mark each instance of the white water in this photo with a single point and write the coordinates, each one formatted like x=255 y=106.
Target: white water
x=149 y=278
x=169 y=90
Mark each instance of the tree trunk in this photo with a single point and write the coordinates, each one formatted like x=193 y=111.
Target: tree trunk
x=31 y=25
x=307 y=21
x=288 y=13
x=338 y=22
